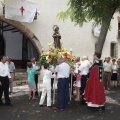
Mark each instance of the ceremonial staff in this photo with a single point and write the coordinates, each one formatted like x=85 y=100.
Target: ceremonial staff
x=71 y=86
x=54 y=90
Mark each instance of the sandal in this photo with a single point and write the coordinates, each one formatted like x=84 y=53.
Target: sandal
x=77 y=99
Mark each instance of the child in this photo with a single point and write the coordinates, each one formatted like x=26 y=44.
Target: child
x=78 y=85
x=47 y=74
x=31 y=81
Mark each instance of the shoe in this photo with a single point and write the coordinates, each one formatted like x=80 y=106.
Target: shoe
x=49 y=106
x=9 y=104
x=77 y=99
x=40 y=105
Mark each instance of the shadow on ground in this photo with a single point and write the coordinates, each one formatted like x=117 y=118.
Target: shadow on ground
x=25 y=109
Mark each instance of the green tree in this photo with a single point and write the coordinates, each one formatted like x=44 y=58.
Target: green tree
x=101 y=11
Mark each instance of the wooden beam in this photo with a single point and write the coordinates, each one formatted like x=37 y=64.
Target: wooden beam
x=13 y=31
x=10 y=29
x=5 y=26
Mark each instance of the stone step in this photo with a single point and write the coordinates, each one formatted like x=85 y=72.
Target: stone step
x=21 y=75
x=20 y=82
x=21 y=70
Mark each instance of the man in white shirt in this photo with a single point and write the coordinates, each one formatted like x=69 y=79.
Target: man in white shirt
x=11 y=67
x=84 y=70
x=37 y=68
x=63 y=72
x=107 y=68
x=4 y=81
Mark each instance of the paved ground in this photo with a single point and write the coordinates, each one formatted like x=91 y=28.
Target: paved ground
x=25 y=109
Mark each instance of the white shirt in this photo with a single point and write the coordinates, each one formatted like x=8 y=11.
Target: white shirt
x=107 y=67
x=114 y=68
x=84 y=67
x=47 y=74
x=76 y=66
x=11 y=66
x=35 y=66
x=51 y=68
x=4 y=70
x=63 y=70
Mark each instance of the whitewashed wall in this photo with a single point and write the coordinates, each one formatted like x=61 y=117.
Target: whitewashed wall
x=80 y=39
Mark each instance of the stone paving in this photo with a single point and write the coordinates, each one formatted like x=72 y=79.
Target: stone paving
x=25 y=109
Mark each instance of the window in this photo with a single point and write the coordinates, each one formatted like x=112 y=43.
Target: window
x=114 y=49
x=119 y=29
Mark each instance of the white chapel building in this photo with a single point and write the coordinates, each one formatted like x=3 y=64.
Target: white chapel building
x=23 y=41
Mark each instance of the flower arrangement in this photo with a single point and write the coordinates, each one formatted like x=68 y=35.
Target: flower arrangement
x=52 y=55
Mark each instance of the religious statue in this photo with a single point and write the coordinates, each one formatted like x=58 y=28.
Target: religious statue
x=57 y=37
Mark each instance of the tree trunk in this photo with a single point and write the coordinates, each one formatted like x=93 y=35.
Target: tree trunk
x=103 y=33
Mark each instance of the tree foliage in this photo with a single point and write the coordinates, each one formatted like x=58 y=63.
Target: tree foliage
x=101 y=11
x=81 y=11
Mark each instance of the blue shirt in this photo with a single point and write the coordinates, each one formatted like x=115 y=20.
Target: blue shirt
x=31 y=75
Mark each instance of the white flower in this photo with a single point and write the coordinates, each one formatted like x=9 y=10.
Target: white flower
x=46 y=57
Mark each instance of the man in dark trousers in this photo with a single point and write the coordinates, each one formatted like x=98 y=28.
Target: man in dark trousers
x=4 y=81
x=63 y=71
x=84 y=70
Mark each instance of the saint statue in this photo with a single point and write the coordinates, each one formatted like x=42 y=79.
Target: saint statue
x=56 y=36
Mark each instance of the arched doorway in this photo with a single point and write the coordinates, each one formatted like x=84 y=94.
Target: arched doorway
x=18 y=42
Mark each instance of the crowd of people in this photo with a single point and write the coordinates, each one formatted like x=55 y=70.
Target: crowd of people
x=85 y=81
x=111 y=74
x=80 y=79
